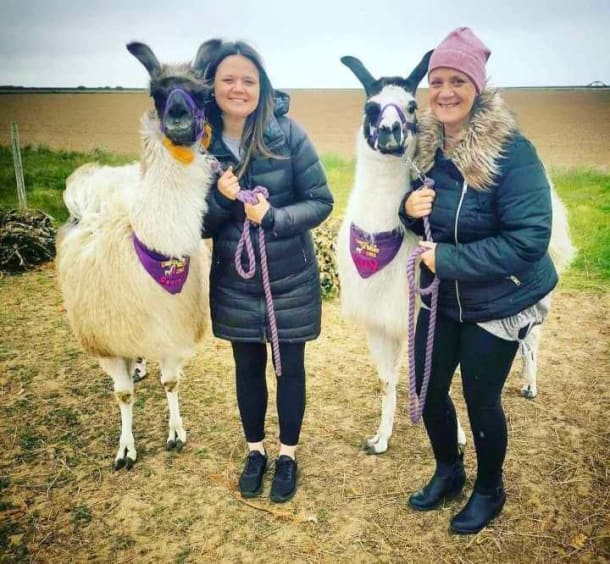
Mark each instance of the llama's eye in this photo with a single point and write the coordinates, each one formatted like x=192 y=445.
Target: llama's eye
x=372 y=109
x=412 y=106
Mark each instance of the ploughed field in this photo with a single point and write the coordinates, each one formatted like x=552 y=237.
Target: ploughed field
x=569 y=127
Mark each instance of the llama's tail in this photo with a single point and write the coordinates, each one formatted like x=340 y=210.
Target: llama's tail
x=561 y=249
x=92 y=186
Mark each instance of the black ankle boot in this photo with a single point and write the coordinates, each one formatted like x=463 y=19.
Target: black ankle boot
x=439 y=488
x=481 y=508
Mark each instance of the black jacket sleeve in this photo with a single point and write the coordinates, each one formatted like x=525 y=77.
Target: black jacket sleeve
x=315 y=202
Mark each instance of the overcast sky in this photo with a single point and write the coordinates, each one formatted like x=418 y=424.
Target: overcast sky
x=82 y=42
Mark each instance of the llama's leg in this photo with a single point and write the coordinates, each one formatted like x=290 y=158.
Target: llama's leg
x=138 y=369
x=461 y=437
x=385 y=351
x=461 y=433
x=529 y=351
x=171 y=371
x=118 y=370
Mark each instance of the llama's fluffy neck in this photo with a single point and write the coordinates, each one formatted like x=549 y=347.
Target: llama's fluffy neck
x=169 y=201
x=380 y=183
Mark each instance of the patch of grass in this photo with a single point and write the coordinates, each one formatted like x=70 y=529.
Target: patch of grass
x=30 y=441
x=81 y=516
x=586 y=194
x=122 y=542
x=340 y=173
x=45 y=174
x=183 y=555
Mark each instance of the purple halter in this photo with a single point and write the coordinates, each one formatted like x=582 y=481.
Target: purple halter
x=198 y=113
x=405 y=124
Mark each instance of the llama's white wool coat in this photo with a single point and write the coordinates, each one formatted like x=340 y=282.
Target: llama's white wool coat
x=115 y=307
x=378 y=301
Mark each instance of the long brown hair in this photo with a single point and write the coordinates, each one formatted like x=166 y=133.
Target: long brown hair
x=252 y=138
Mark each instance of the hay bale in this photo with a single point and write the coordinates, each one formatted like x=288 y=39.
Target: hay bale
x=27 y=238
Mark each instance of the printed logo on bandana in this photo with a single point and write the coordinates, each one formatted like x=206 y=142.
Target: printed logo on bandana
x=373 y=251
x=169 y=272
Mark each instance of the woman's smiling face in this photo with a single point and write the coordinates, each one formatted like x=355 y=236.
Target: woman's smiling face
x=237 y=86
x=451 y=95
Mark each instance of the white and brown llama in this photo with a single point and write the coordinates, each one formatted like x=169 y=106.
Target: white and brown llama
x=132 y=267
x=373 y=247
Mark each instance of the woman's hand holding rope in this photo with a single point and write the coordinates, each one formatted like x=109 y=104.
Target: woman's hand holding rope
x=417 y=205
x=228 y=186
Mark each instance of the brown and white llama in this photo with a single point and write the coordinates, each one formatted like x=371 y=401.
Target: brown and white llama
x=373 y=247
x=132 y=267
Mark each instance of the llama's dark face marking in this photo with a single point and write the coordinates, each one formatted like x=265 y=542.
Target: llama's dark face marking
x=179 y=103
x=389 y=113
x=389 y=120
x=178 y=93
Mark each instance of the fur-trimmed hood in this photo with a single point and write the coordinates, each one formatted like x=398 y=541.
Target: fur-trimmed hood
x=478 y=155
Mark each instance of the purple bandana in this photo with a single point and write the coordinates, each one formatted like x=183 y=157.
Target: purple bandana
x=168 y=272
x=372 y=251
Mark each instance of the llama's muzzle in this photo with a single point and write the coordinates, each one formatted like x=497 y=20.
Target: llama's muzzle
x=182 y=120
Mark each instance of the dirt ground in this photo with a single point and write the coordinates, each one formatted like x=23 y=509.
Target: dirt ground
x=568 y=127
x=60 y=501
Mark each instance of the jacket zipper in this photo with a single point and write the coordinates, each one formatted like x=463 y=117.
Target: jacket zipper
x=514 y=280
x=457 y=215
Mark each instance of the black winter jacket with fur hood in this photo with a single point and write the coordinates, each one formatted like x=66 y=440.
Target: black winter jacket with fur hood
x=491 y=216
x=300 y=200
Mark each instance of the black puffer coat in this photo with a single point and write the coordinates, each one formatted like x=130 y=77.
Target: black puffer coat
x=300 y=200
x=491 y=217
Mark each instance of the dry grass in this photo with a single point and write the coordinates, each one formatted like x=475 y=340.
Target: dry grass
x=62 y=502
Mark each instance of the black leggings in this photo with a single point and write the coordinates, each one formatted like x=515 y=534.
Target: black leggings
x=485 y=362
x=250 y=364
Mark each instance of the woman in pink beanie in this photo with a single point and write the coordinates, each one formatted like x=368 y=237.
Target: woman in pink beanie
x=490 y=216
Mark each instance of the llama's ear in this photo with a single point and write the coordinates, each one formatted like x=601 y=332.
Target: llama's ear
x=418 y=72
x=364 y=76
x=145 y=55
x=204 y=54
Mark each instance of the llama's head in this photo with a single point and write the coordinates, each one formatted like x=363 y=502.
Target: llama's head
x=178 y=92
x=389 y=122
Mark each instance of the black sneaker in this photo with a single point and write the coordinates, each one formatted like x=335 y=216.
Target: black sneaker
x=251 y=479
x=284 y=484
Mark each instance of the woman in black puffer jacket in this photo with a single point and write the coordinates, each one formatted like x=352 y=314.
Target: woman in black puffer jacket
x=258 y=145
x=490 y=217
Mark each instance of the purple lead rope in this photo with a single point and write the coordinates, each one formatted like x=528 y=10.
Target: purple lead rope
x=417 y=402
x=251 y=197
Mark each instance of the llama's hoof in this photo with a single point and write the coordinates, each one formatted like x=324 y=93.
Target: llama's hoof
x=125 y=461
x=138 y=375
x=177 y=444
x=528 y=392
x=139 y=371
x=375 y=446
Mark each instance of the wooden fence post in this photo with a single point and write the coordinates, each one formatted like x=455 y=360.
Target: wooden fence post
x=16 y=150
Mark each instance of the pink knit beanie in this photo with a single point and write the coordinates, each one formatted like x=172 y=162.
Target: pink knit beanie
x=462 y=50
